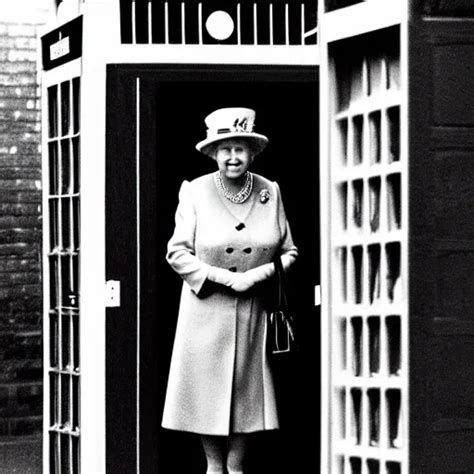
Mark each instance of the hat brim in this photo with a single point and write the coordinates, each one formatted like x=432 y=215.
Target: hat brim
x=259 y=142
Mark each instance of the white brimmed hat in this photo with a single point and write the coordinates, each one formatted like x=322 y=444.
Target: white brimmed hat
x=231 y=122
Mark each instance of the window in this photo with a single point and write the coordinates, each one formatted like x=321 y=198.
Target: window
x=63 y=265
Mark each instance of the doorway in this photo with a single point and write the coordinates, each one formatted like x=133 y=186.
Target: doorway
x=155 y=116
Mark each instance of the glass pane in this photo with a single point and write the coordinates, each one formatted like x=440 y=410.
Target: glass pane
x=357 y=274
x=375 y=137
x=358 y=203
x=394 y=418
x=75 y=402
x=393 y=468
x=53 y=111
x=66 y=339
x=341 y=412
x=358 y=134
x=54 y=282
x=54 y=454
x=374 y=63
x=356 y=415
x=65 y=167
x=374 y=203
x=76 y=94
x=65 y=276
x=75 y=340
x=341 y=141
x=341 y=346
x=394 y=344
x=393 y=67
x=74 y=280
x=53 y=399
x=53 y=168
x=342 y=204
x=394 y=209
x=65 y=453
x=339 y=464
x=357 y=351
x=374 y=272
x=393 y=253
x=356 y=465
x=65 y=108
x=53 y=339
x=53 y=224
x=374 y=416
x=356 y=80
x=65 y=401
x=66 y=223
x=341 y=256
x=75 y=455
x=69 y=279
x=373 y=466
x=75 y=165
x=374 y=345
x=393 y=116
x=75 y=224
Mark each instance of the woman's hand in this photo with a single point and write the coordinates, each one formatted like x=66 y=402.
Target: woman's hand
x=241 y=282
x=238 y=282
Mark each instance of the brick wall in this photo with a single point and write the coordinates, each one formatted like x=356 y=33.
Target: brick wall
x=20 y=244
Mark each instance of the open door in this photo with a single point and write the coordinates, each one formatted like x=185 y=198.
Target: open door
x=155 y=116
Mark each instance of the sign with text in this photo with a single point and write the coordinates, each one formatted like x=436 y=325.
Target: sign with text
x=62 y=44
x=59 y=49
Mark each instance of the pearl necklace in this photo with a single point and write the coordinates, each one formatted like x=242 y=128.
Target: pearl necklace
x=239 y=197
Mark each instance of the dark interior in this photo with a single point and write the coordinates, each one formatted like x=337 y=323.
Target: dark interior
x=173 y=104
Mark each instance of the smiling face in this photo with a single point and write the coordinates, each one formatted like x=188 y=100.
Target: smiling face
x=233 y=157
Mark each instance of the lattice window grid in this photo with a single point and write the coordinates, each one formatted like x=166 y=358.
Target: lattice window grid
x=63 y=261
x=368 y=320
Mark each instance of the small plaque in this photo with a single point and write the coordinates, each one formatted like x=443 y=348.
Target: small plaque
x=59 y=49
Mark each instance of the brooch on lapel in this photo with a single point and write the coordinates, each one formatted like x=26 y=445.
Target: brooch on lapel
x=264 y=196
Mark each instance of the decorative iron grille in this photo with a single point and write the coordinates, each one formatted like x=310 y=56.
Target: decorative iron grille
x=259 y=23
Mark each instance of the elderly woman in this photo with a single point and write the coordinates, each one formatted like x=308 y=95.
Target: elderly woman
x=229 y=227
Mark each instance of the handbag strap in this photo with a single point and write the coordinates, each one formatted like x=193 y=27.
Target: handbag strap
x=282 y=298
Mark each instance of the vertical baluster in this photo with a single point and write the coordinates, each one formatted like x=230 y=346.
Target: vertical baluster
x=134 y=23
x=200 y=22
x=239 y=39
x=166 y=24
x=255 y=36
x=183 y=23
x=270 y=20
x=150 y=23
x=302 y=23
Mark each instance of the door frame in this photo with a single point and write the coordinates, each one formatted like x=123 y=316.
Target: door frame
x=119 y=431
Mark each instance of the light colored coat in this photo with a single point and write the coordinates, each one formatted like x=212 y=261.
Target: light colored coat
x=220 y=380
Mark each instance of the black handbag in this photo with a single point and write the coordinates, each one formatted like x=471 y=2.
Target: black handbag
x=280 y=325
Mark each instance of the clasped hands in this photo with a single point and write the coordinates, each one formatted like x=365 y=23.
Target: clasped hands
x=240 y=281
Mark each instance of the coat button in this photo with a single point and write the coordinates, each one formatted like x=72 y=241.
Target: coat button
x=240 y=226
x=248 y=250
x=233 y=269
x=229 y=249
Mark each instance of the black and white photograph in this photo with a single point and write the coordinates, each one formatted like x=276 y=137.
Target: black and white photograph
x=236 y=237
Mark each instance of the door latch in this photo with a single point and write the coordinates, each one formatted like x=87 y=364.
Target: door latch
x=112 y=294
x=317 y=295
